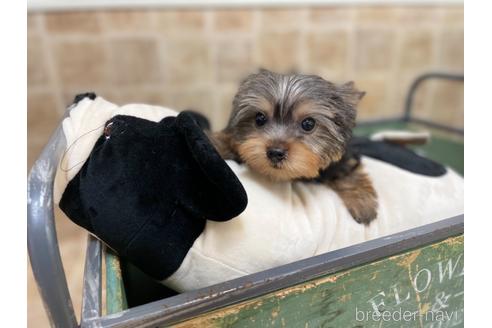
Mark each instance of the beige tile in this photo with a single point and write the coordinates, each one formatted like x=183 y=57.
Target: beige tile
x=453 y=15
x=155 y=96
x=180 y=21
x=233 y=20
x=36 y=316
x=72 y=22
x=415 y=15
x=337 y=75
x=188 y=62
x=278 y=19
x=327 y=50
x=451 y=49
x=126 y=21
x=330 y=15
x=447 y=103
x=33 y=23
x=234 y=60
x=376 y=15
x=42 y=118
x=81 y=63
x=373 y=105
x=37 y=74
x=198 y=99
x=134 y=61
x=374 y=49
x=223 y=111
x=417 y=51
x=280 y=51
x=440 y=101
x=398 y=90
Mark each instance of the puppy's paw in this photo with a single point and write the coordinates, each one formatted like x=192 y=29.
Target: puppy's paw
x=358 y=195
x=363 y=211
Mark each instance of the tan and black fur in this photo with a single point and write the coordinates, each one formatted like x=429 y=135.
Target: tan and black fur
x=290 y=127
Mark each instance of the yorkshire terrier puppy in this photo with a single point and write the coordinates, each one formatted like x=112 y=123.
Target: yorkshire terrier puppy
x=297 y=127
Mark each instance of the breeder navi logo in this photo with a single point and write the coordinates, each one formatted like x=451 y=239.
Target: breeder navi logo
x=433 y=297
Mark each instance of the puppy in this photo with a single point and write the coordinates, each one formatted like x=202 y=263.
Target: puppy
x=297 y=127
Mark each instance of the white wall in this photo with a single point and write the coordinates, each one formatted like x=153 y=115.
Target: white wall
x=61 y=5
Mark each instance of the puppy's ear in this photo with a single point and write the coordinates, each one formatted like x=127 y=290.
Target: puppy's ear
x=350 y=94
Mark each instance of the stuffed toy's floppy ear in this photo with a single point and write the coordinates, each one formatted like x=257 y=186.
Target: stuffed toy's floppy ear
x=147 y=189
x=225 y=195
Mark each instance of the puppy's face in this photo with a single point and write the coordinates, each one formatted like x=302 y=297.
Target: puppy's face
x=291 y=126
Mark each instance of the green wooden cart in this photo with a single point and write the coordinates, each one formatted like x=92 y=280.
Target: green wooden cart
x=409 y=279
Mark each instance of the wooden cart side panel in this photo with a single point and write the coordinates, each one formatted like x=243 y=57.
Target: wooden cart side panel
x=115 y=291
x=419 y=288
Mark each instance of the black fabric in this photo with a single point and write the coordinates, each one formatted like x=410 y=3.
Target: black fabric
x=80 y=96
x=140 y=288
x=199 y=118
x=147 y=189
x=397 y=155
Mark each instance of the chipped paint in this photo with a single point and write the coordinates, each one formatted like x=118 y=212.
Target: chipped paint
x=409 y=259
x=330 y=300
x=115 y=293
x=424 y=308
x=275 y=313
x=345 y=298
x=374 y=275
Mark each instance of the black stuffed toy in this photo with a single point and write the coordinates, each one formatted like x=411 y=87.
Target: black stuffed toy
x=148 y=188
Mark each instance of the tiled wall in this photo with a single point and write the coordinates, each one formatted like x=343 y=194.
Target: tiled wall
x=195 y=59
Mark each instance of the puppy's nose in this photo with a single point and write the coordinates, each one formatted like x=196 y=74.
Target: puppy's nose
x=276 y=155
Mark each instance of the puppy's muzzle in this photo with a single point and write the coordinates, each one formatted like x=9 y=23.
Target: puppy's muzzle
x=276 y=155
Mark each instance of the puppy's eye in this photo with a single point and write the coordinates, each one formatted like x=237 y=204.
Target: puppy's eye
x=260 y=119
x=308 y=124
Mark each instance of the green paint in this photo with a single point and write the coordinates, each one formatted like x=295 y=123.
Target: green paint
x=115 y=291
x=446 y=148
x=416 y=289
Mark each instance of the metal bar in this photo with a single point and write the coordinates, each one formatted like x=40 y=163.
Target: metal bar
x=437 y=125
x=91 y=294
x=420 y=121
x=187 y=305
x=416 y=84
x=380 y=121
x=42 y=242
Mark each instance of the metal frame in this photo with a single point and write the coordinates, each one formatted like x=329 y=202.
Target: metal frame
x=50 y=277
x=91 y=293
x=42 y=243
x=407 y=116
x=407 y=113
